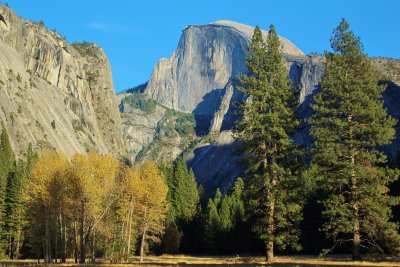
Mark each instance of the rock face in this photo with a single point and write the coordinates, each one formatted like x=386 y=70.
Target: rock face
x=159 y=134
x=207 y=57
x=53 y=94
x=219 y=115
x=199 y=78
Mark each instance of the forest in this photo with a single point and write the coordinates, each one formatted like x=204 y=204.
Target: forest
x=338 y=196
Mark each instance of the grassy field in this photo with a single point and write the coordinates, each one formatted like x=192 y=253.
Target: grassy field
x=184 y=260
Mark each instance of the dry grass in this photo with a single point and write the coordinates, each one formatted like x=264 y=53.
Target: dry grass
x=185 y=260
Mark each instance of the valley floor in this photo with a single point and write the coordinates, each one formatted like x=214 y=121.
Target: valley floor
x=184 y=260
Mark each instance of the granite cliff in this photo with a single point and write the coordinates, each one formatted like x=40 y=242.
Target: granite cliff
x=54 y=94
x=199 y=79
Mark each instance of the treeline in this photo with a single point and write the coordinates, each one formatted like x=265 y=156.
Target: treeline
x=93 y=206
x=85 y=207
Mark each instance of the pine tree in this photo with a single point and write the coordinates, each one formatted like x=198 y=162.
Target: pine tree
x=12 y=216
x=213 y=223
x=7 y=160
x=349 y=123
x=268 y=119
x=171 y=239
x=183 y=198
x=184 y=193
x=14 y=211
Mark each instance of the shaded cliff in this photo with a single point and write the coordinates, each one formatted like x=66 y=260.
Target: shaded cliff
x=199 y=78
x=53 y=94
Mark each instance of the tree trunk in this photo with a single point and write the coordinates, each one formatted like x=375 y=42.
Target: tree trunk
x=143 y=236
x=75 y=244
x=47 y=242
x=112 y=249
x=356 y=241
x=63 y=240
x=18 y=237
x=271 y=230
x=81 y=235
x=56 y=252
x=94 y=247
x=44 y=250
x=271 y=198
x=354 y=194
x=10 y=256
x=17 y=242
x=142 y=243
x=129 y=233
x=123 y=236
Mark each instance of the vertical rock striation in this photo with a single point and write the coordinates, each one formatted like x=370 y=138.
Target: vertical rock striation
x=207 y=57
x=53 y=94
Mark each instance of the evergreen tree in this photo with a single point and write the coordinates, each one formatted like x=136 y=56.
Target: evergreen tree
x=14 y=211
x=183 y=198
x=212 y=223
x=349 y=123
x=185 y=195
x=13 y=216
x=171 y=239
x=268 y=119
x=225 y=229
x=6 y=164
x=7 y=160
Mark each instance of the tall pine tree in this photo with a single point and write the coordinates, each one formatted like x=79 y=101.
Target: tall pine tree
x=6 y=169
x=15 y=209
x=184 y=194
x=6 y=164
x=349 y=123
x=183 y=198
x=268 y=119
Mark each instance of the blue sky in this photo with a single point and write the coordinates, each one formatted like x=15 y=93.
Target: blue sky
x=136 y=34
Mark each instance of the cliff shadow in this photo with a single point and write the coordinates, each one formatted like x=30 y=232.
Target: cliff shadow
x=304 y=111
x=225 y=162
x=204 y=111
x=391 y=99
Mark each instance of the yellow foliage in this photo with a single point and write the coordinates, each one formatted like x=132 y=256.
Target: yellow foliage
x=47 y=180
x=81 y=195
x=93 y=179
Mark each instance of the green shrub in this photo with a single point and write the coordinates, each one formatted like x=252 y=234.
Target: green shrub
x=78 y=128
x=141 y=102
x=167 y=129
x=185 y=124
x=86 y=49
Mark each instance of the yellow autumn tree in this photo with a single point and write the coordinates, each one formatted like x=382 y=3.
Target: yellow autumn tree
x=94 y=195
x=93 y=178
x=127 y=207
x=151 y=192
x=47 y=199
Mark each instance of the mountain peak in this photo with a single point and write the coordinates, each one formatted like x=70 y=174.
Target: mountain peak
x=287 y=46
